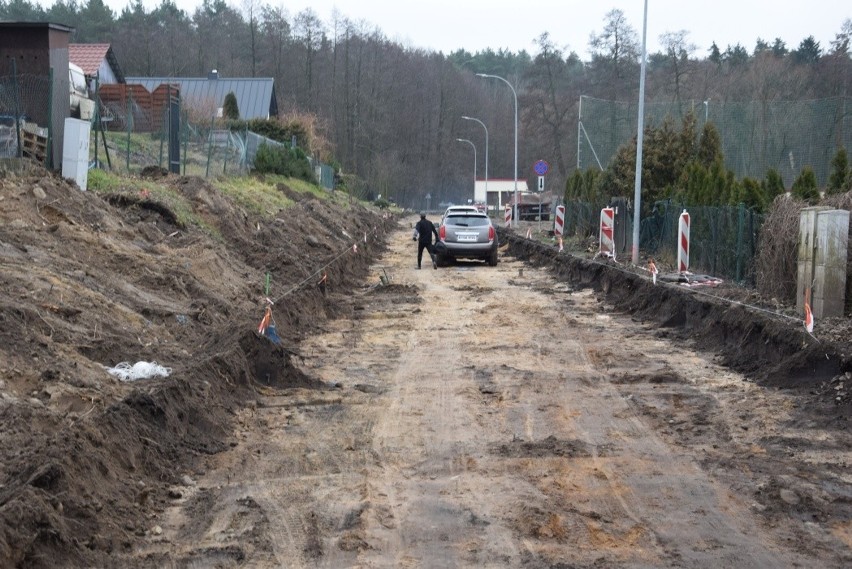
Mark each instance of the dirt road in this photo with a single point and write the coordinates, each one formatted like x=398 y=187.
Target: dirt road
x=494 y=417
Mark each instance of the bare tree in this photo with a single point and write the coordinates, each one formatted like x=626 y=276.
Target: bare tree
x=677 y=53
x=616 y=47
x=309 y=31
x=548 y=100
x=274 y=31
x=251 y=8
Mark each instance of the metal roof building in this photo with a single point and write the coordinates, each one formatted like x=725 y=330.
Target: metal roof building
x=255 y=95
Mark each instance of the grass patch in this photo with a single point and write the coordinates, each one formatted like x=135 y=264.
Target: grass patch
x=103 y=182
x=257 y=196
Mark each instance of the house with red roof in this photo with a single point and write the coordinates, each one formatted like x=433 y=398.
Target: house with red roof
x=96 y=60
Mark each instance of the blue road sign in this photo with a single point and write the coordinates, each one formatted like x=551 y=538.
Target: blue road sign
x=541 y=167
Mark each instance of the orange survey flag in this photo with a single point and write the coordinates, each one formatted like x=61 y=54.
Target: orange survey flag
x=264 y=324
x=809 y=316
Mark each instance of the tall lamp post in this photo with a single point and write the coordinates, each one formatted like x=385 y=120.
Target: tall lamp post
x=474 y=161
x=499 y=204
x=637 y=190
x=516 y=218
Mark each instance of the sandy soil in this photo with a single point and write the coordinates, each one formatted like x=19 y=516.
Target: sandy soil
x=547 y=412
x=498 y=417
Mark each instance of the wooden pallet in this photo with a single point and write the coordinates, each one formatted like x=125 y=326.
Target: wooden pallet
x=33 y=145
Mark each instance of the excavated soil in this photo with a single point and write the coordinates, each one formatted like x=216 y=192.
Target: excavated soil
x=769 y=346
x=365 y=440
x=88 y=281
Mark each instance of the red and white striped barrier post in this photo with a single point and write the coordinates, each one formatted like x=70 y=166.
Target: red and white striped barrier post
x=508 y=215
x=559 y=224
x=607 y=246
x=683 y=243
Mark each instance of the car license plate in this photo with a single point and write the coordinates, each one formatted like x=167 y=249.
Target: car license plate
x=467 y=237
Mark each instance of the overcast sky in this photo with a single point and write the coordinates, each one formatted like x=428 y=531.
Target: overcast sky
x=446 y=25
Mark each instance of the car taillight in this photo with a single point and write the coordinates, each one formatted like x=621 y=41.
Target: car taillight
x=442 y=232
x=491 y=233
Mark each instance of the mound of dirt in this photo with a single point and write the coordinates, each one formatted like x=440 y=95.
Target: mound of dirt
x=90 y=281
x=771 y=348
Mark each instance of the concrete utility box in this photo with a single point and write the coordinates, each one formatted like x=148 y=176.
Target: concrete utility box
x=830 y=262
x=807 y=252
x=823 y=247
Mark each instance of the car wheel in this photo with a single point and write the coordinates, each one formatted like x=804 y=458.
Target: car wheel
x=492 y=258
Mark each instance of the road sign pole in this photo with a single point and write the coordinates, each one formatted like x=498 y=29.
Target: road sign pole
x=541 y=167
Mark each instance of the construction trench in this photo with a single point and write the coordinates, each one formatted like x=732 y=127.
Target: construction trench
x=549 y=412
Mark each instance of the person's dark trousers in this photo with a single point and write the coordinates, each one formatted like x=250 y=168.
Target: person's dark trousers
x=420 y=246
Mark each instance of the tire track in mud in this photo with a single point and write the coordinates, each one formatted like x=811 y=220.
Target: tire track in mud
x=691 y=520
x=422 y=438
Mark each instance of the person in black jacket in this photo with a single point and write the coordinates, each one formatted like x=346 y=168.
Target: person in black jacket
x=423 y=234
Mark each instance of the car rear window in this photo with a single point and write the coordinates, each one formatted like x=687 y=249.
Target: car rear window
x=467 y=220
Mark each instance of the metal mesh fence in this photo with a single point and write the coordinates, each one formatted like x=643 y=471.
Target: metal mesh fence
x=133 y=130
x=24 y=116
x=723 y=240
x=756 y=135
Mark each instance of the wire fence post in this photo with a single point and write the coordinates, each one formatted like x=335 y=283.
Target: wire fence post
x=97 y=115
x=227 y=148
x=740 y=226
x=185 y=126
x=210 y=145
x=163 y=120
x=129 y=126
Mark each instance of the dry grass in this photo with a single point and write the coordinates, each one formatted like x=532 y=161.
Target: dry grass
x=777 y=256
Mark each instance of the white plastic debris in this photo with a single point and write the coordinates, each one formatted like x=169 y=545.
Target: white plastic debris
x=140 y=370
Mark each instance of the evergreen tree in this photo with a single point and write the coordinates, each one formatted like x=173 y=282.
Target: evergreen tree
x=839 y=178
x=721 y=184
x=773 y=185
x=779 y=48
x=751 y=194
x=808 y=51
x=574 y=186
x=715 y=55
x=736 y=55
x=96 y=22
x=695 y=184
x=805 y=186
x=761 y=46
x=592 y=190
x=230 y=108
x=709 y=145
x=23 y=11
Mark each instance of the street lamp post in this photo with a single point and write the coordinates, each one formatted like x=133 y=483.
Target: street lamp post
x=474 y=162
x=637 y=190
x=499 y=204
x=517 y=219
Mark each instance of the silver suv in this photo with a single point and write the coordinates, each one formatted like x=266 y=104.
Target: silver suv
x=466 y=235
